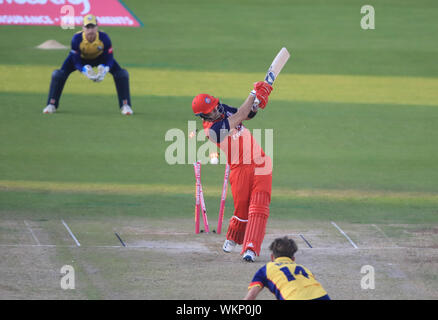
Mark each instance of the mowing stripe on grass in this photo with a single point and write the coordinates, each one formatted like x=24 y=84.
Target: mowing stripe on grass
x=384 y=234
x=290 y=87
x=345 y=235
x=210 y=190
x=71 y=233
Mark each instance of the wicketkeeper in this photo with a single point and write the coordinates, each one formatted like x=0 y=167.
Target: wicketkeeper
x=90 y=48
x=251 y=169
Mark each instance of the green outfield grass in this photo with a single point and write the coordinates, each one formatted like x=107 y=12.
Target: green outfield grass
x=354 y=115
x=316 y=145
x=309 y=88
x=236 y=36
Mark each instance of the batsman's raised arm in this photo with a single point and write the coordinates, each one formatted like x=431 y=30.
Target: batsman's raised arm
x=242 y=113
x=258 y=98
x=220 y=120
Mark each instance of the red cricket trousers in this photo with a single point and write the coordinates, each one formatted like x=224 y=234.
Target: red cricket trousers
x=251 y=188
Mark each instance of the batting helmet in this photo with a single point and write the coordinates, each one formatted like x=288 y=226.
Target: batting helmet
x=204 y=103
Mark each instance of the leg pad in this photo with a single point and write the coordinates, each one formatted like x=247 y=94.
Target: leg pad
x=257 y=219
x=236 y=229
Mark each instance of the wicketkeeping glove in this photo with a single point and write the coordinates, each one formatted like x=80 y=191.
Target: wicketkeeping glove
x=88 y=71
x=102 y=70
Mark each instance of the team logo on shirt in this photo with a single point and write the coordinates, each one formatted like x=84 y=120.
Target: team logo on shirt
x=207 y=100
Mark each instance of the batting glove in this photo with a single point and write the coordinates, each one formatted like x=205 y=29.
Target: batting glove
x=261 y=92
x=262 y=88
x=102 y=70
x=88 y=71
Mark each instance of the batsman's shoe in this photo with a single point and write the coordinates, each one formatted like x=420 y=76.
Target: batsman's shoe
x=126 y=110
x=249 y=256
x=229 y=246
x=49 y=109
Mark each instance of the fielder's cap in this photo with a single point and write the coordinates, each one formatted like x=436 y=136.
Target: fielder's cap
x=90 y=19
x=204 y=103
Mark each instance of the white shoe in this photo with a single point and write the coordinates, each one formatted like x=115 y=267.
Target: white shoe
x=126 y=110
x=249 y=256
x=229 y=246
x=49 y=109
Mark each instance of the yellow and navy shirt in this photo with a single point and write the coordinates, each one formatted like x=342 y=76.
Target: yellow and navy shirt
x=85 y=51
x=288 y=280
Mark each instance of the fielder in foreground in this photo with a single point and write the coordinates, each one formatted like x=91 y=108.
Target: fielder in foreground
x=284 y=278
x=90 y=48
x=251 y=169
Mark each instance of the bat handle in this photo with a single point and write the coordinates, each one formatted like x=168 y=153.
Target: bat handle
x=255 y=105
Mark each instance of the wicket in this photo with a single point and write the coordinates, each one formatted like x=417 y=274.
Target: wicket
x=197 y=196
x=200 y=202
x=223 y=198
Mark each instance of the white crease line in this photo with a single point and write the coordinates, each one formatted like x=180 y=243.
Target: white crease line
x=296 y=234
x=71 y=233
x=160 y=248
x=33 y=234
x=384 y=234
x=52 y=246
x=163 y=233
x=345 y=235
x=31 y=245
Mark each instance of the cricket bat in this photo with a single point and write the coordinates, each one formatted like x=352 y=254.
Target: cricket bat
x=277 y=65
x=275 y=69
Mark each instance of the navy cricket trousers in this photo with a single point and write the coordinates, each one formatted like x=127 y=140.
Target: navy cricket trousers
x=60 y=76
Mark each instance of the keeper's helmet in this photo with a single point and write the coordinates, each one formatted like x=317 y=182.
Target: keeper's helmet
x=204 y=104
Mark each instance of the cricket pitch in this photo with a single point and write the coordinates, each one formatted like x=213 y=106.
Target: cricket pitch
x=162 y=261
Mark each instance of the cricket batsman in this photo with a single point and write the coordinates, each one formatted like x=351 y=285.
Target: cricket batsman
x=251 y=169
x=90 y=48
